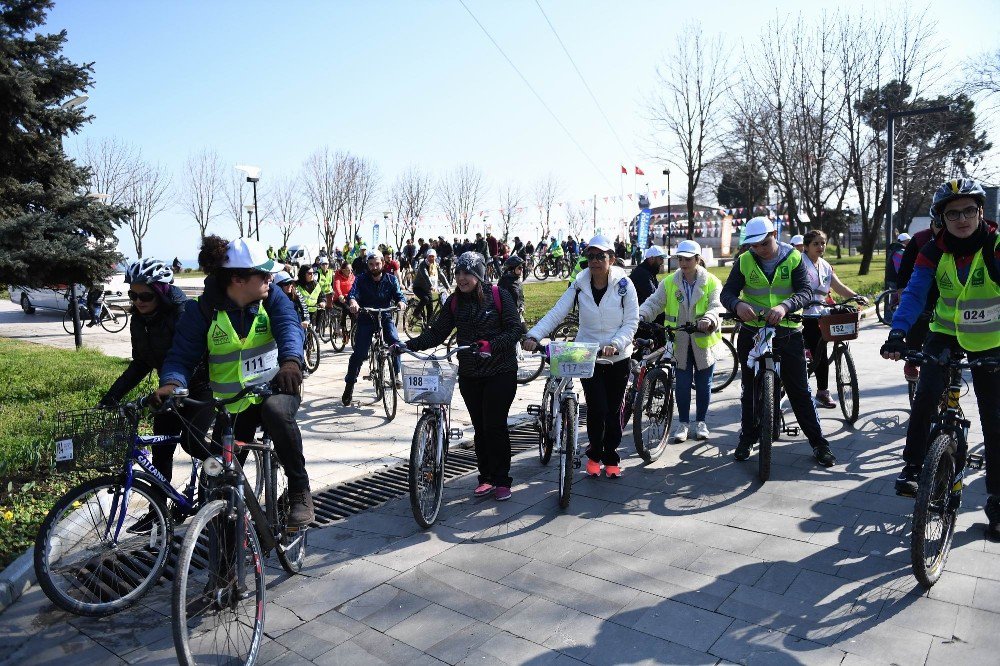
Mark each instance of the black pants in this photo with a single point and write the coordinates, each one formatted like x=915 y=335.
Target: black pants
x=932 y=382
x=488 y=400
x=604 y=393
x=277 y=414
x=198 y=421
x=814 y=342
x=425 y=305
x=789 y=350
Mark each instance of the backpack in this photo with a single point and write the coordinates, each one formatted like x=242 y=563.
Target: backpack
x=453 y=304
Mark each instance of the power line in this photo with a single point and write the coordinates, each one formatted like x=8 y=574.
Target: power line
x=585 y=85
x=535 y=93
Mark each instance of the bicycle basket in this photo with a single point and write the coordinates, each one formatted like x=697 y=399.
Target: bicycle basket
x=572 y=359
x=428 y=382
x=839 y=326
x=92 y=439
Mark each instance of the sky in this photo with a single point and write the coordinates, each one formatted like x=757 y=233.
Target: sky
x=403 y=83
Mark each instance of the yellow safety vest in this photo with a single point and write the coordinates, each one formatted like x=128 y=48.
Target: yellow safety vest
x=970 y=311
x=763 y=295
x=675 y=294
x=309 y=299
x=325 y=281
x=234 y=363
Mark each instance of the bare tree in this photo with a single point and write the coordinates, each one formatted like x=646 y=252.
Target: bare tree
x=984 y=74
x=689 y=106
x=113 y=165
x=320 y=185
x=547 y=189
x=235 y=194
x=459 y=193
x=577 y=219
x=510 y=207
x=289 y=207
x=202 y=185
x=146 y=196
x=360 y=179
x=409 y=196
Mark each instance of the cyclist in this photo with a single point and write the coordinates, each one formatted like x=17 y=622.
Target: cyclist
x=251 y=335
x=773 y=282
x=798 y=241
x=93 y=303
x=309 y=289
x=408 y=254
x=446 y=252
x=513 y=273
x=581 y=263
x=609 y=315
x=964 y=262
x=427 y=280
x=895 y=253
x=271 y=254
x=342 y=283
x=373 y=289
x=493 y=247
x=529 y=249
x=556 y=252
x=822 y=279
x=518 y=247
x=487 y=380
x=918 y=331
x=689 y=296
x=390 y=265
x=644 y=275
x=286 y=283
x=324 y=276
x=571 y=249
x=283 y=254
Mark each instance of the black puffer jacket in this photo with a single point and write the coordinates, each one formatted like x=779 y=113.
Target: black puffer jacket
x=478 y=321
x=512 y=284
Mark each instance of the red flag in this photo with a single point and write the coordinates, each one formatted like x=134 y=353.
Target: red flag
x=624 y=170
x=639 y=172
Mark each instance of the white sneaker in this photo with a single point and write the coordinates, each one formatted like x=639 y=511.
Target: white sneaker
x=701 y=430
x=681 y=434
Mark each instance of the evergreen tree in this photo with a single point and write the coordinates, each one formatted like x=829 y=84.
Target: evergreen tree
x=51 y=232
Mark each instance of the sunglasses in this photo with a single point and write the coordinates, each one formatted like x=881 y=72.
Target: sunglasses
x=143 y=297
x=597 y=257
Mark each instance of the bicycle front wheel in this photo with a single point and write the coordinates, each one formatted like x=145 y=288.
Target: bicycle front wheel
x=567 y=460
x=934 y=511
x=426 y=473
x=68 y=321
x=323 y=325
x=217 y=617
x=413 y=324
x=882 y=308
x=653 y=414
x=388 y=378
x=82 y=566
x=529 y=365
x=767 y=422
x=291 y=548
x=847 y=384
x=542 y=271
x=114 y=318
x=337 y=333
x=726 y=366
x=311 y=351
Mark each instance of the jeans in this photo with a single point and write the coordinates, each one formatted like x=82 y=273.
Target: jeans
x=789 y=350
x=365 y=330
x=604 y=393
x=933 y=381
x=703 y=387
x=488 y=400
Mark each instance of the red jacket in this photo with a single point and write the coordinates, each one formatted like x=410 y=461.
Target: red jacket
x=342 y=284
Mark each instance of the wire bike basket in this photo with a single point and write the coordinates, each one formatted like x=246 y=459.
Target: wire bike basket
x=841 y=325
x=572 y=359
x=92 y=438
x=428 y=382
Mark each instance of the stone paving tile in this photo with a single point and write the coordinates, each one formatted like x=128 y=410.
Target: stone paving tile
x=509 y=536
x=410 y=551
x=611 y=536
x=559 y=551
x=768 y=523
x=315 y=596
x=679 y=623
x=504 y=648
x=617 y=644
x=373 y=647
x=778 y=577
x=987 y=595
x=61 y=644
x=921 y=614
x=348 y=541
x=978 y=627
x=551 y=521
x=754 y=645
x=461 y=644
x=669 y=550
x=483 y=561
x=731 y=566
x=537 y=619
x=458 y=590
x=383 y=606
x=604 y=489
x=885 y=643
x=278 y=620
x=821 y=623
x=586 y=594
x=429 y=626
x=975 y=563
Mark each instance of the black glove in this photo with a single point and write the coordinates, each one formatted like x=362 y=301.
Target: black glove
x=895 y=343
x=289 y=378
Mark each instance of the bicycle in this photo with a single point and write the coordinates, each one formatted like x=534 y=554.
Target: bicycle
x=941 y=481
x=886 y=303
x=381 y=369
x=417 y=317
x=338 y=334
x=310 y=349
x=112 y=319
x=219 y=583
x=551 y=266
x=839 y=324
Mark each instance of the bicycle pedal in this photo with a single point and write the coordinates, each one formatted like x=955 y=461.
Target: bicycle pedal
x=535 y=410
x=975 y=461
x=367 y=378
x=791 y=431
x=577 y=463
x=455 y=434
x=356 y=404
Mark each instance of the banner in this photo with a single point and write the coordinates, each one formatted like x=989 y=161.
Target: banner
x=375 y=235
x=726 y=236
x=643 y=230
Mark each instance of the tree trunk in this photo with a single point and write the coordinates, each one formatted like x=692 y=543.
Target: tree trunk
x=690 y=207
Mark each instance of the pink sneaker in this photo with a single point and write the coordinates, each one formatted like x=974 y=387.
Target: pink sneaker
x=613 y=471
x=502 y=494
x=484 y=489
x=593 y=468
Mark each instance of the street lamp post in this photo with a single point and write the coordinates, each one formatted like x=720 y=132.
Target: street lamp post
x=666 y=172
x=777 y=220
x=253 y=175
x=249 y=208
x=890 y=139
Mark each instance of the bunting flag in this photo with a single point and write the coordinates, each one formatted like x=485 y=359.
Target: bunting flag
x=639 y=172
x=630 y=197
x=624 y=170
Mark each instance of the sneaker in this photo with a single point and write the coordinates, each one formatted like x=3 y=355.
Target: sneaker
x=824 y=456
x=992 y=509
x=613 y=471
x=483 y=489
x=701 y=430
x=502 y=493
x=681 y=433
x=91 y=323
x=823 y=399
x=144 y=525
x=348 y=394
x=593 y=468
x=742 y=451
x=301 y=513
x=911 y=371
x=906 y=482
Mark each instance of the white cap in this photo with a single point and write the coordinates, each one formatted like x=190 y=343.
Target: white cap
x=797 y=239
x=687 y=248
x=757 y=229
x=248 y=253
x=431 y=253
x=653 y=251
x=601 y=243
x=902 y=238
x=281 y=277
x=323 y=260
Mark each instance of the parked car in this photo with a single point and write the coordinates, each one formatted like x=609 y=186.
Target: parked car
x=302 y=254
x=56 y=297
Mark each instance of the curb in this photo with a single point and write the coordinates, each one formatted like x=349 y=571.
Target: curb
x=16 y=579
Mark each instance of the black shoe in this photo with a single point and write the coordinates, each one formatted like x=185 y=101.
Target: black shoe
x=993 y=516
x=824 y=456
x=906 y=482
x=301 y=512
x=742 y=451
x=144 y=525
x=91 y=323
x=348 y=394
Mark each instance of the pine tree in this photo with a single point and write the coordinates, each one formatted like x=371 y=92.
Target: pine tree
x=51 y=232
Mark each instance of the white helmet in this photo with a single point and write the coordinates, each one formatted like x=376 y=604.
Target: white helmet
x=148 y=271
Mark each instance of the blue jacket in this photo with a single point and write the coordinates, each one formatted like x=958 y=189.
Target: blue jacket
x=382 y=294
x=191 y=335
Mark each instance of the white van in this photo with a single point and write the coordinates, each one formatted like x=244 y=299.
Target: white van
x=301 y=255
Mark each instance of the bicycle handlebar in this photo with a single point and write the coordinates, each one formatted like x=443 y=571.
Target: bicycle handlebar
x=684 y=328
x=947 y=361
x=732 y=316
x=446 y=357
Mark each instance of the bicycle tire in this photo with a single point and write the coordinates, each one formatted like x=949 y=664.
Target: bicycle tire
x=767 y=417
x=136 y=563
x=934 y=499
x=566 y=332
x=529 y=365
x=911 y=391
x=426 y=472
x=320 y=324
x=337 y=333
x=67 y=321
x=291 y=548
x=114 y=318
x=210 y=534
x=545 y=420
x=653 y=413
x=848 y=393
x=883 y=309
x=311 y=351
x=413 y=325
x=541 y=271
x=724 y=374
x=568 y=413
x=451 y=341
x=387 y=375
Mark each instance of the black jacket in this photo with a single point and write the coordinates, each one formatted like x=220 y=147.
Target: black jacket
x=512 y=284
x=478 y=321
x=644 y=280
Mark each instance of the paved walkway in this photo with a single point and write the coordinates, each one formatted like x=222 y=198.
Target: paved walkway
x=687 y=561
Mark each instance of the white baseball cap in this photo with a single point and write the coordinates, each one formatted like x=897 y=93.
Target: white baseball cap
x=601 y=243
x=249 y=254
x=797 y=239
x=281 y=277
x=687 y=248
x=431 y=253
x=757 y=229
x=902 y=238
x=653 y=251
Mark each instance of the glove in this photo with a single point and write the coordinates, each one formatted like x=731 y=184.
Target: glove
x=483 y=347
x=397 y=348
x=895 y=343
x=289 y=378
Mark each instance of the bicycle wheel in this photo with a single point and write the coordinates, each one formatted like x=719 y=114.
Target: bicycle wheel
x=529 y=365
x=847 y=384
x=911 y=390
x=216 y=617
x=337 y=340
x=546 y=419
x=566 y=332
x=451 y=341
x=320 y=324
x=767 y=422
x=114 y=318
x=68 y=321
x=426 y=472
x=388 y=378
x=81 y=567
x=413 y=324
x=726 y=366
x=568 y=414
x=542 y=270
x=653 y=414
x=291 y=548
x=311 y=351
x=934 y=512
x=884 y=309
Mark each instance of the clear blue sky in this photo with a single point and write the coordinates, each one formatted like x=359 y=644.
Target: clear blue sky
x=400 y=82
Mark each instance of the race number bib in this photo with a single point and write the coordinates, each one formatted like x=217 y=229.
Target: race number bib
x=843 y=329
x=422 y=383
x=261 y=367
x=976 y=315
x=64 y=450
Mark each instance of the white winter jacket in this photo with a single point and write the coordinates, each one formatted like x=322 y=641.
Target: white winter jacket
x=613 y=322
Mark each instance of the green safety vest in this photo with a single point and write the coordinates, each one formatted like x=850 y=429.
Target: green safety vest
x=310 y=299
x=970 y=311
x=234 y=363
x=556 y=250
x=270 y=253
x=763 y=295
x=325 y=281
x=675 y=294
x=577 y=267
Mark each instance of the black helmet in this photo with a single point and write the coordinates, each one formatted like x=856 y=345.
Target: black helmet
x=513 y=262
x=472 y=263
x=955 y=189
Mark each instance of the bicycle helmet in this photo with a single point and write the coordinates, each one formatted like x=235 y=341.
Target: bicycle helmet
x=956 y=189
x=513 y=262
x=148 y=271
x=473 y=264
